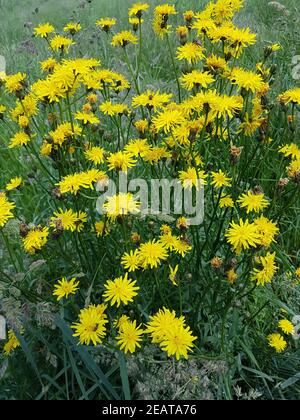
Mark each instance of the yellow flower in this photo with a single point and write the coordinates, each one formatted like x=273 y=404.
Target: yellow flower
x=23 y=121
x=196 y=79
x=152 y=100
x=182 y=247
x=121 y=205
x=161 y=322
x=91 y=326
x=137 y=9
x=14 y=183
x=11 y=344
x=87 y=118
x=191 y=177
x=106 y=23
x=178 y=341
x=290 y=96
x=142 y=126
x=165 y=10
x=61 y=43
x=2 y=110
x=120 y=290
x=65 y=287
x=152 y=253
x=95 y=155
x=275 y=47
x=138 y=147
x=120 y=161
x=168 y=119
x=131 y=261
x=253 y=202
x=19 y=139
x=290 y=150
x=191 y=52
x=242 y=235
x=227 y=106
x=74 y=182
x=267 y=271
x=72 y=28
x=35 y=239
x=293 y=170
x=277 y=342
x=64 y=132
x=130 y=336
x=226 y=201
x=101 y=228
x=214 y=63
x=122 y=39
x=286 y=326
x=6 y=208
x=68 y=220
x=44 y=30
x=266 y=229
x=108 y=108
x=173 y=275
x=15 y=82
x=220 y=179
x=246 y=79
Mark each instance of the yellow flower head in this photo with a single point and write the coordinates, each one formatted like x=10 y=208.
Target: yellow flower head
x=192 y=178
x=19 y=139
x=95 y=155
x=173 y=275
x=226 y=201
x=196 y=79
x=137 y=9
x=286 y=326
x=68 y=220
x=91 y=326
x=290 y=96
x=35 y=239
x=11 y=344
x=131 y=261
x=106 y=23
x=14 y=183
x=190 y=52
x=61 y=43
x=44 y=30
x=65 y=287
x=120 y=161
x=277 y=342
x=15 y=82
x=267 y=269
x=152 y=253
x=253 y=202
x=120 y=290
x=121 y=205
x=178 y=341
x=130 y=336
x=72 y=28
x=122 y=39
x=219 y=179
x=242 y=235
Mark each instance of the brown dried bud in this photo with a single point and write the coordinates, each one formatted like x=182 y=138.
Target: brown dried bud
x=216 y=262
x=23 y=229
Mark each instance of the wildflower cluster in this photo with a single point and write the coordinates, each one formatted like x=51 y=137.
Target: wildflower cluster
x=127 y=279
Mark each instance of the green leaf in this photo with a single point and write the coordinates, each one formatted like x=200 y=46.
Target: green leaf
x=87 y=359
x=124 y=376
